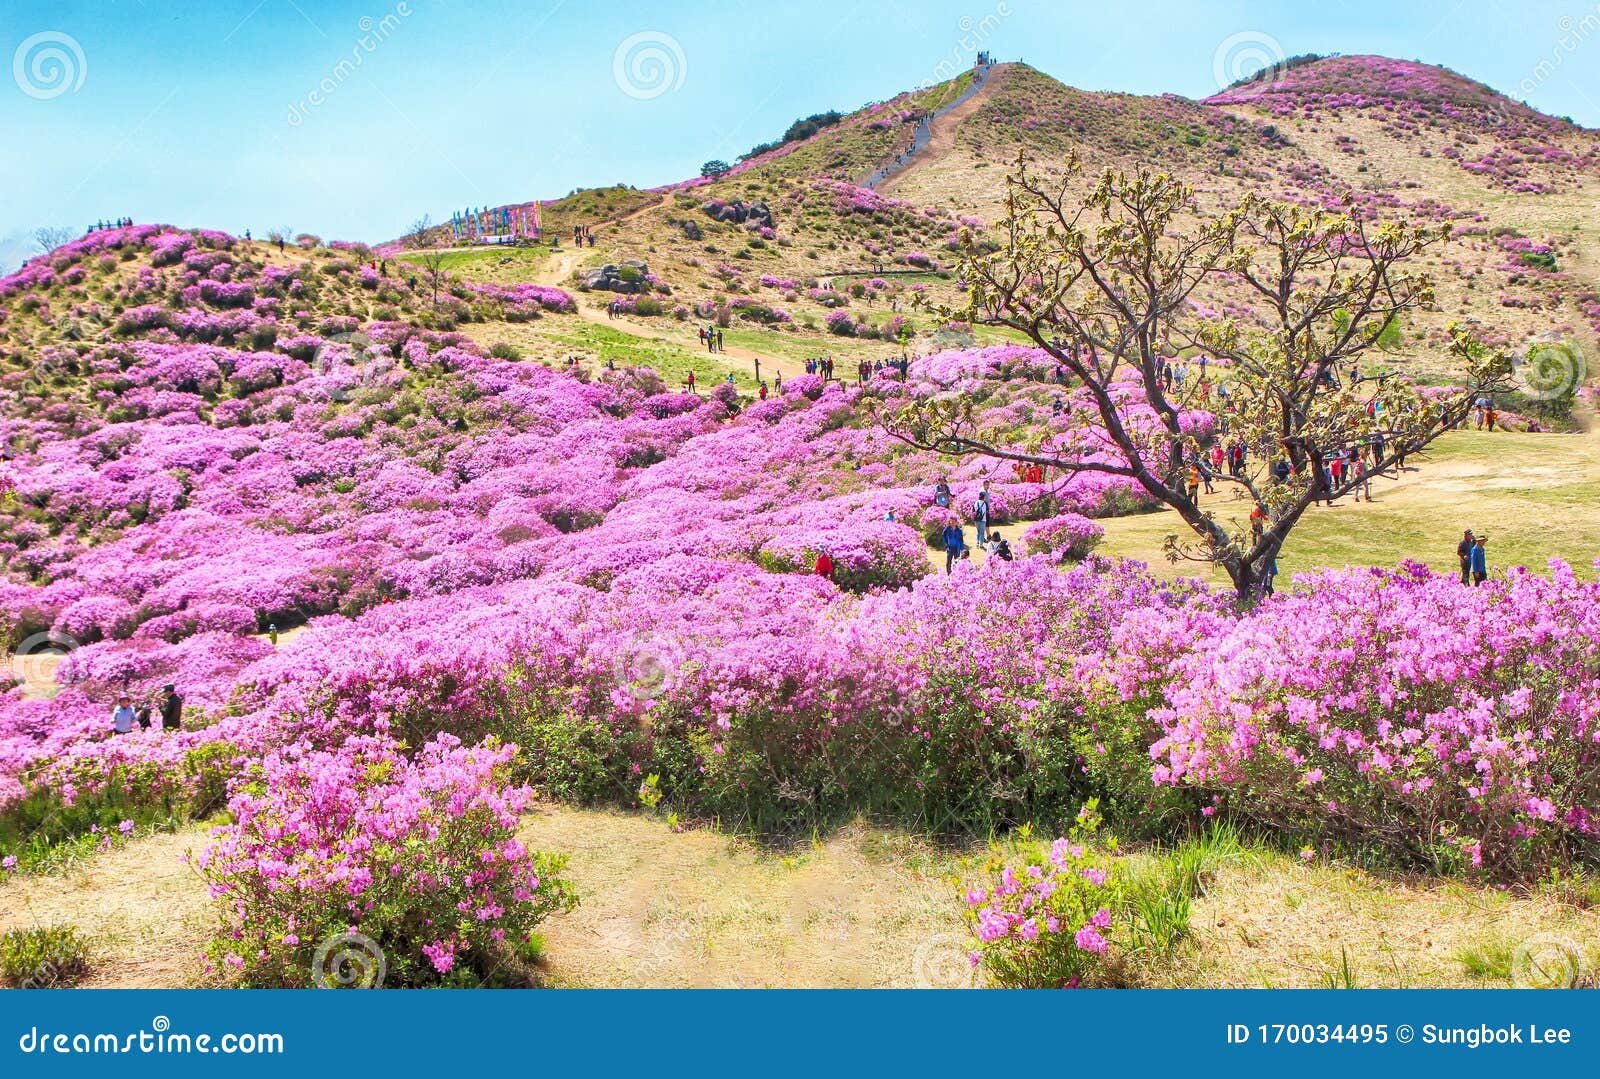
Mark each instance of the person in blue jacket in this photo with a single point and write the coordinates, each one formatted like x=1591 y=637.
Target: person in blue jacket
x=1480 y=562
x=955 y=541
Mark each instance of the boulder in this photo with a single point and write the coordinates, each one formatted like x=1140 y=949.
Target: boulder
x=626 y=276
x=739 y=212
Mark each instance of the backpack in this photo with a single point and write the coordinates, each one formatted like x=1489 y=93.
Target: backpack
x=1003 y=552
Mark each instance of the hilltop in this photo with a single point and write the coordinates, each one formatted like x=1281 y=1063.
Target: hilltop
x=1386 y=139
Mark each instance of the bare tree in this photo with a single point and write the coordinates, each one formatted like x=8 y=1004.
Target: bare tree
x=50 y=237
x=433 y=269
x=417 y=234
x=1104 y=285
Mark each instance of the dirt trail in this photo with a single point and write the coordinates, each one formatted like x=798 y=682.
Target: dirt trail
x=942 y=131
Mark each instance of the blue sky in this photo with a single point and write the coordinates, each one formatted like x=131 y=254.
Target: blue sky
x=202 y=113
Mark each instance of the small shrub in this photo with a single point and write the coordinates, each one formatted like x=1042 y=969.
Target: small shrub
x=54 y=957
x=1045 y=924
x=344 y=865
x=1069 y=536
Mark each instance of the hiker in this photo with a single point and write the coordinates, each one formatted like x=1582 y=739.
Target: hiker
x=690 y=381
x=1480 y=562
x=999 y=547
x=171 y=709
x=1258 y=522
x=1205 y=475
x=1464 y=553
x=1035 y=474
x=1266 y=581
x=719 y=340
x=777 y=382
x=272 y=633
x=1363 y=478
x=1193 y=482
x=761 y=391
x=941 y=496
x=123 y=716
x=701 y=330
x=955 y=542
x=824 y=565
x=980 y=514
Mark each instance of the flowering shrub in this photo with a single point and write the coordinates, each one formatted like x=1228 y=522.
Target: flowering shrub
x=1047 y=923
x=1449 y=725
x=840 y=322
x=420 y=856
x=1067 y=536
x=865 y=554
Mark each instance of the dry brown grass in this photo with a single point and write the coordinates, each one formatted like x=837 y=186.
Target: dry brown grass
x=144 y=911
x=1266 y=921
x=698 y=909
x=858 y=908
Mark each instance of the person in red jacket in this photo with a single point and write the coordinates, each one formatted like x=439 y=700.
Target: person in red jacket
x=824 y=567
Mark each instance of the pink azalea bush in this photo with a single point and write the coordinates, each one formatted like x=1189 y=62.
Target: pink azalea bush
x=1047 y=923
x=1449 y=725
x=418 y=855
x=1069 y=536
